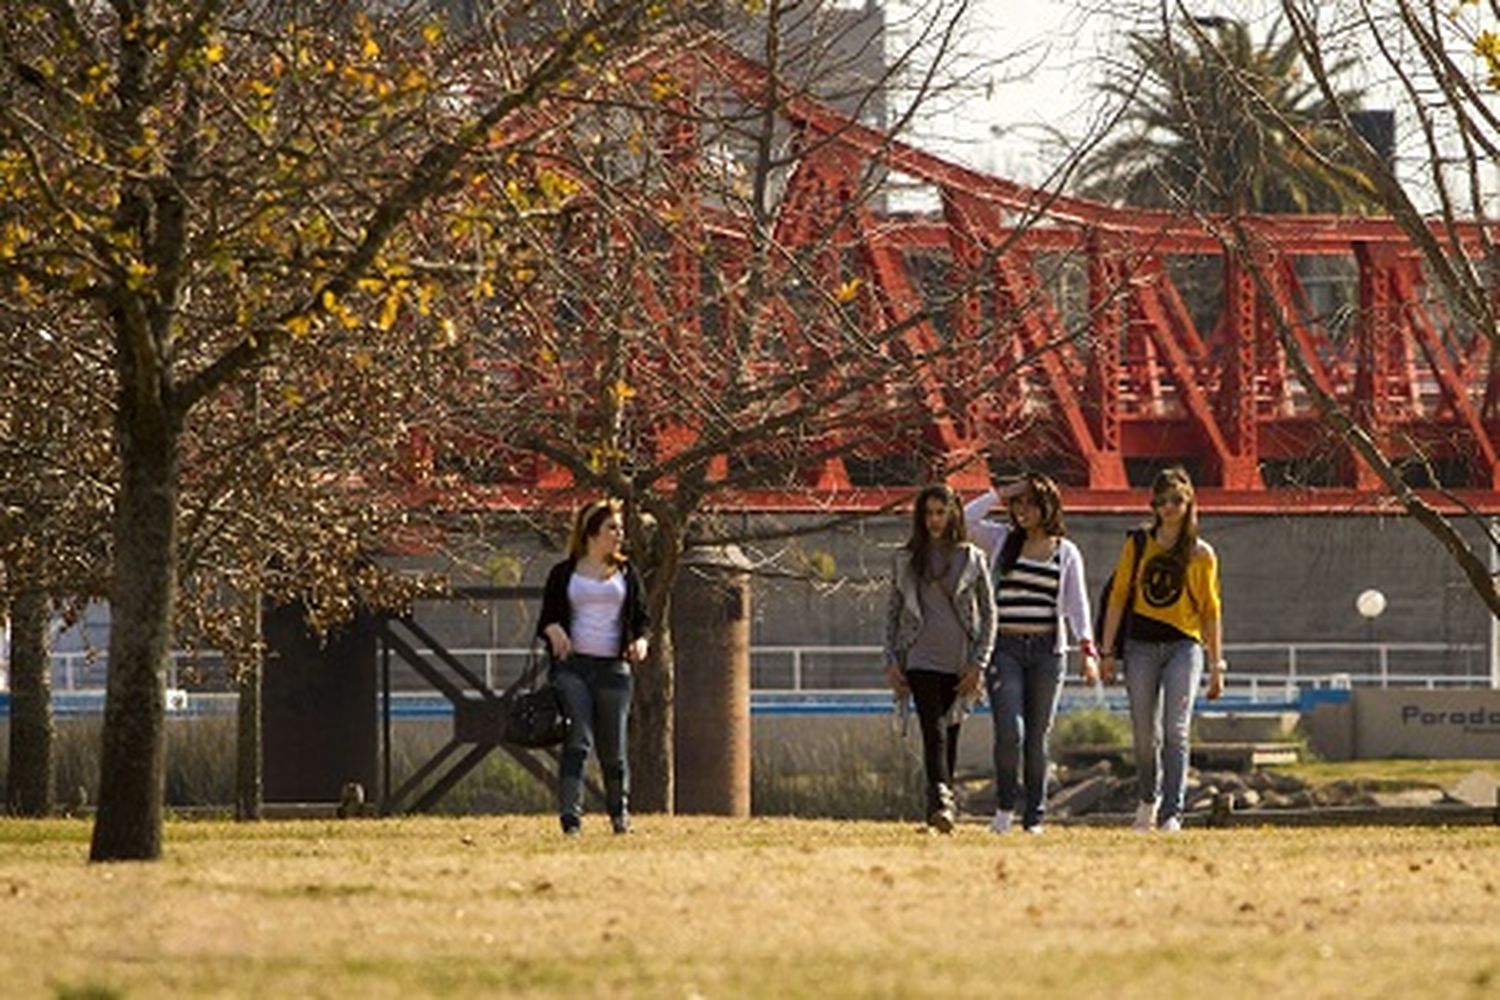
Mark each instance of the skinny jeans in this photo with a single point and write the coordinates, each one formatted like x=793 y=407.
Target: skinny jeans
x=934 y=692
x=596 y=691
x=1025 y=681
x=1162 y=679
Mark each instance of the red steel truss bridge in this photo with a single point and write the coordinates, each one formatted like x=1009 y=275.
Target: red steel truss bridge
x=1148 y=344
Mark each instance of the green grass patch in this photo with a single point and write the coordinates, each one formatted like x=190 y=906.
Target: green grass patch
x=1390 y=773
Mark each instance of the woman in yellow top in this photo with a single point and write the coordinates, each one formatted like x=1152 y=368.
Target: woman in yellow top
x=1174 y=620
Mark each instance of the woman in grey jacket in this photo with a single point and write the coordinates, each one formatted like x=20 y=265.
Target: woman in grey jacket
x=1039 y=596
x=940 y=624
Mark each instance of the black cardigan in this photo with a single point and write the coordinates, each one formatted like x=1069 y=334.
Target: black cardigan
x=556 y=610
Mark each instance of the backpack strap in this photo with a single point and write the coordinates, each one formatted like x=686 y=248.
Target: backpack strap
x=1138 y=542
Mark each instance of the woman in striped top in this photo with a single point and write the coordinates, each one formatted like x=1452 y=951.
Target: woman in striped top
x=1039 y=597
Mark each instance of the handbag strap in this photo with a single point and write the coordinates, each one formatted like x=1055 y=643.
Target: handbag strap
x=536 y=659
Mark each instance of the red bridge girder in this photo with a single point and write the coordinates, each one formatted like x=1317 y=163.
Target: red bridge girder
x=1148 y=343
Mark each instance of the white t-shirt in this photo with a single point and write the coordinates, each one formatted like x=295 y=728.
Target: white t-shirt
x=596 y=606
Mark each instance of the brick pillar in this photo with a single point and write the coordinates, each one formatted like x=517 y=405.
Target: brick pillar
x=711 y=639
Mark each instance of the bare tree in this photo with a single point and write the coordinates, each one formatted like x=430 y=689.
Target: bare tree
x=704 y=310
x=216 y=187
x=1422 y=52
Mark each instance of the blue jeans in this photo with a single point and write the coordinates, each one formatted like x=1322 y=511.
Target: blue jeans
x=596 y=691
x=1025 y=680
x=1162 y=681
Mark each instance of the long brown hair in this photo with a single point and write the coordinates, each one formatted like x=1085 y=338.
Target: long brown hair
x=920 y=543
x=1048 y=500
x=1175 y=479
x=588 y=522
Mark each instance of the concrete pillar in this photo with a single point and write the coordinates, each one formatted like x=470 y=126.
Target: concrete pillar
x=711 y=639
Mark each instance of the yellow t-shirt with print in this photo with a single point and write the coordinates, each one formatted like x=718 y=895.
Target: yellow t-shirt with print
x=1183 y=601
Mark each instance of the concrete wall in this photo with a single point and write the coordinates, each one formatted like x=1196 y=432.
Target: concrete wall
x=1450 y=724
x=1285 y=579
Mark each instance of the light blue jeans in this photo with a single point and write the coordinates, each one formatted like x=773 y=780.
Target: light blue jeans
x=1025 y=680
x=596 y=691
x=1162 y=681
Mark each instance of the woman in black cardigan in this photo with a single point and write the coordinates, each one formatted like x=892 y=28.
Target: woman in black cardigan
x=594 y=622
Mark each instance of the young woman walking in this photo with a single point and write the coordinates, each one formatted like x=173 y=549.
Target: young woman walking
x=594 y=621
x=940 y=624
x=1040 y=597
x=1170 y=610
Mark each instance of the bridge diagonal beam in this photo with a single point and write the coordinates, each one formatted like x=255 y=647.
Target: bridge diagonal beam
x=1455 y=392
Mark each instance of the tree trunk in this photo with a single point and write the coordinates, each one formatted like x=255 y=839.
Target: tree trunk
x=29 y=788
x=132 y=761
x=248 y=773
x=651 y=774
x=652 y=704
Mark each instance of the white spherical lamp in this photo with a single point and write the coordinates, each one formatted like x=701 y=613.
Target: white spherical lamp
x=1370 y=603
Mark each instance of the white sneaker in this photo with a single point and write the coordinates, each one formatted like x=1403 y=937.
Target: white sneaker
x=1145 y=817
x=1003 y=821
x=1172 y=825
x=1036 y=831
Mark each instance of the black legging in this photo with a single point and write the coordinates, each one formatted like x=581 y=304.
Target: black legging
x=934 y=693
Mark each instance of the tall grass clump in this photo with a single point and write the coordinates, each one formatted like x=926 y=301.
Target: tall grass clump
x=498 y=785
x=851 y=775
x=201 y=765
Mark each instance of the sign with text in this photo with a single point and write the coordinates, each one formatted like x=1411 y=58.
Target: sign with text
x=1408 y=723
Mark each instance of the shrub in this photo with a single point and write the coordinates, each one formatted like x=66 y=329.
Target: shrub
x=1090 y=727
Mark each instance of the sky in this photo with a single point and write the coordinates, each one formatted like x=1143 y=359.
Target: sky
x=1034 y=67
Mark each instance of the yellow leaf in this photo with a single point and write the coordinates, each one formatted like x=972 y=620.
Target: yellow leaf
x=213 y=54
x=371 y=49
x=291 y=397
x=298 y=326
x=136 y=274
x=362 y=361
x=389 y=309
x=556 y=187
x=432 y=32
x=849 y=290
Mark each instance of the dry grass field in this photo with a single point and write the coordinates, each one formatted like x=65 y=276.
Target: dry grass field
x=720 y=908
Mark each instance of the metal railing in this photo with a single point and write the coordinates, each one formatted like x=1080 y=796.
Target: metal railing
x=1266 y=669
x=1257 y=669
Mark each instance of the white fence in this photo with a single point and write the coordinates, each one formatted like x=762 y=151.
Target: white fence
x=1257 y=670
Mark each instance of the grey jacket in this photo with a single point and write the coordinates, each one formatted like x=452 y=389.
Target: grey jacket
x=973 y=602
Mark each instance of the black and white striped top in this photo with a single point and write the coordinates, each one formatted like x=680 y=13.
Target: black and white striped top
x=1026 y=596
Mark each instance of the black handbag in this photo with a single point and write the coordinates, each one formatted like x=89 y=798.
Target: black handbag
x=534 y=713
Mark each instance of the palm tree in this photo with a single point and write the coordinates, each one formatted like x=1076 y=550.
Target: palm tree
x=1194 y=140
